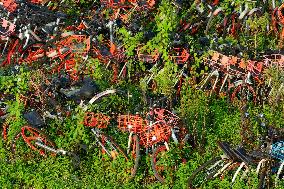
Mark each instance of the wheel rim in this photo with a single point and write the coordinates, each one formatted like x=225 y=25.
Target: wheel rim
x=133 y=154
x=244 y=93
x=13 y=147
x=159 y=163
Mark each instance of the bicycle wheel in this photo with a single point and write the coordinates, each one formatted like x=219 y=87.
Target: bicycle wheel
x=205 y=172
x=263 y=179
x=244 y=92
x=134 y=153
x=158 y=163
x=13 y=144
x=5 y=128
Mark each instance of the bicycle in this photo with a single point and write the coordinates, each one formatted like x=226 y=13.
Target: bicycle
x=237 y=159
x=37 y=141
x=154 y=135
x=179 y=135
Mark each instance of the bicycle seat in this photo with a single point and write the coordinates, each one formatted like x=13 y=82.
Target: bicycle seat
x=227 y=150
x=86 y=91
x=34 y=119
x=105 y=51
x=59 y=83
x=60 y=15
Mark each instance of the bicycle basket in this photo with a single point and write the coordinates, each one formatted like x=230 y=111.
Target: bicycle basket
x=131 y=123
x=179 y=55
x=149 y=57
x=277 y=150
x=97 y=120
x=155 y=133
x=161 y=114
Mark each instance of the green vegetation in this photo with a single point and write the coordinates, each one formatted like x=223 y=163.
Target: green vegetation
x=208 y=119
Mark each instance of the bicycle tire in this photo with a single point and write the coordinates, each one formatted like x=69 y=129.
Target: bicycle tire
x=158 y=150
x=13 y=144
x=135 y=149
x=101 y=95
x=261 y=183
x=235 y=95
x=203 y=167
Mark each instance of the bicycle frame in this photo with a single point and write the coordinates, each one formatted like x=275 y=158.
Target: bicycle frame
x=57 y=151
x=98 y=134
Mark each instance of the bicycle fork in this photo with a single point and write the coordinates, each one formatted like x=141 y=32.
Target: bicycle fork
x=129 y=142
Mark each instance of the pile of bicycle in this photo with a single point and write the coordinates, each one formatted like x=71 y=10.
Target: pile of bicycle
x=79 y=65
